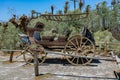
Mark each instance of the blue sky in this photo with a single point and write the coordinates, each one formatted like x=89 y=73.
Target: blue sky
x=19 y=7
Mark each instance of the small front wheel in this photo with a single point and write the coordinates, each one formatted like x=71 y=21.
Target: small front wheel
x=28 y=53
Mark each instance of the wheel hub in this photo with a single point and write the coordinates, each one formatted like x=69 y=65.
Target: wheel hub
x=79 y=50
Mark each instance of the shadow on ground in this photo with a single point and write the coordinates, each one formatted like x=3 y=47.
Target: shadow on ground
x=42 y=76
x=65 y=62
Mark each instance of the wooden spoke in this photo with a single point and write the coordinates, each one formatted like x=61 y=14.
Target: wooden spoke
x=77 y=60
x=82 y=62
x=81 y=42
x=28 y=57
x=80 y=53
x=73 y=59
x=29 y=54
x=70 y=47
x=73 y=44
x=77 y=43
x=84 y=44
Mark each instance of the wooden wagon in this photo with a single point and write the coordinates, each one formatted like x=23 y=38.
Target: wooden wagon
x=76 y=49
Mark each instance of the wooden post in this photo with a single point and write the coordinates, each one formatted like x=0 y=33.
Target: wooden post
x=36 y=64
x=117 y=74
x=11 y=56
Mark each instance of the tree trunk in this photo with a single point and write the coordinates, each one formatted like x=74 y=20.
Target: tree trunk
x=116 y=32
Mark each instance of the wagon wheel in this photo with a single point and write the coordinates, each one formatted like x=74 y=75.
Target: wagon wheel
x=28 y=53
x=78 y=49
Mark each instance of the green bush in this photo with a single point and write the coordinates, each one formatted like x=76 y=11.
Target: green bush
x=9 y=39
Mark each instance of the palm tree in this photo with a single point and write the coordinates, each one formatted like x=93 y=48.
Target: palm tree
x=33 y=12
x=100 y=17
x=14 y=16
x=66 y=7
x=87 y=9
x=104 y=15
x=113 y=2
x=107 y=17
x=81 y=4
x=59 y=12
x=52 y=9
x=74 y=3
x=97 y=8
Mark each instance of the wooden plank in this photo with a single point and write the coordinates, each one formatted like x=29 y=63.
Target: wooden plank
x=94 y=57
x=63 y=14
x=61 y=53
x=9 y=50
x=52 y=43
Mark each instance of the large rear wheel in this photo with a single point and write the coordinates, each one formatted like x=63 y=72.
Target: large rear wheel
x=79 y=50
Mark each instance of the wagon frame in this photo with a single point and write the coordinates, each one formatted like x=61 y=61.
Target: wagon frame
x=77 y=49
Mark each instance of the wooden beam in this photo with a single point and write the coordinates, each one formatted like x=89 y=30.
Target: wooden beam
x=36 y=64
x=63 y=14
x=11 y=56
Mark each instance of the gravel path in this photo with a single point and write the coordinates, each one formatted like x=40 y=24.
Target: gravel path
x=55 y=70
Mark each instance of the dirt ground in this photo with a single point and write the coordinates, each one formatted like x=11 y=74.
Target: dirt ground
x=53 y=69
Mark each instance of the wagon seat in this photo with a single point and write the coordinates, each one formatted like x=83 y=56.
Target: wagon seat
x=32 y=31
x=57 y=38
x=65 y=38
x=88 y=34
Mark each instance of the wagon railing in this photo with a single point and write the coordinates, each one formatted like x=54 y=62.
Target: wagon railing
x=65 y=17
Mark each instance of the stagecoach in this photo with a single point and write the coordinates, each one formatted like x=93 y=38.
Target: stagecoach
x=77 y=49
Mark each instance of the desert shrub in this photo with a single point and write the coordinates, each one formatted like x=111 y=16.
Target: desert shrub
x=9 y=39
